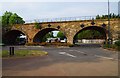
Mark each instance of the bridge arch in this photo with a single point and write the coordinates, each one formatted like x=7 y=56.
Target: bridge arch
x=40 y=34
x=10 y=37
x=102 y=30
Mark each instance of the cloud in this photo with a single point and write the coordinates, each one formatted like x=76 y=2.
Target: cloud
x=38 y=10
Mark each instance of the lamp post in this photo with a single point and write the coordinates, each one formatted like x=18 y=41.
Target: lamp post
x=109 y=33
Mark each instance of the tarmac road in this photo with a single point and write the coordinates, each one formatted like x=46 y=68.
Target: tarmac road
x=74 y=61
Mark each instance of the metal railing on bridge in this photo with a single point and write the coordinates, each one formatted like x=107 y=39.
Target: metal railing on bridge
x=61 y=19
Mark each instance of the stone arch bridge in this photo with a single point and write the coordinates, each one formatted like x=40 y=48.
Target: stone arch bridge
x=69 y=28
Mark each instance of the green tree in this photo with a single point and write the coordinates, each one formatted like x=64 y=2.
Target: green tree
x=9 y=19
x=48 y=35
x=51 y=35
x=97 y=17
x=5 y=18
x=15 y=19
x=89 y=34
x=112 y=15
x=118 y=16
x=60 y=35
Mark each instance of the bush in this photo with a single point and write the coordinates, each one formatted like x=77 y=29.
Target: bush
x=36 y=44
x=117 y=43
x=106 y=46
x=115 y=46
x=109 y=46
x=37 y=25
x=49 y=44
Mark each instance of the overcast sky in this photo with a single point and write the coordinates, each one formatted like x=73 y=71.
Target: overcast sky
x=38 y=10
x=58 y=0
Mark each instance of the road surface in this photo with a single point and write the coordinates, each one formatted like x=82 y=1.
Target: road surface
x=74 y=61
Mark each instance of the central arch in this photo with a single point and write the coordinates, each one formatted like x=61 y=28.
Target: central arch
x=102 y=30
x=39 y=36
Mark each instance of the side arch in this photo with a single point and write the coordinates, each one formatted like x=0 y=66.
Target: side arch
x=102 y=30
x=9 y=38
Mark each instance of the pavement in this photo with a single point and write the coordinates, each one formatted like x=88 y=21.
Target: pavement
x=63 y=61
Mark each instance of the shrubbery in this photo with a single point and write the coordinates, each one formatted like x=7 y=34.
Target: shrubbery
x=117 y=43
x=115 y=46
x=37 y=25
x=109 y=46
x=49 y=44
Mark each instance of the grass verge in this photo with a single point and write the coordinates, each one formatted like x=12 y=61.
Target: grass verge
x=111 y=47
x=22 y=53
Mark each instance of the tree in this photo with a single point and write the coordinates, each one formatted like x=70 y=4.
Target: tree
x=97 y=17
x=112 y=16
x=48 y=35
x=60 y=35
x=51 y=35
x=89 y=34
x=15 y=19
x=5 y=18
x=9 y=19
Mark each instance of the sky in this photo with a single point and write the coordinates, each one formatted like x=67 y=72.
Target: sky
x=58 y=0
x=40 y=9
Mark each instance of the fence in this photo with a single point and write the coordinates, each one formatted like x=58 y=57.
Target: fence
x=61 y=19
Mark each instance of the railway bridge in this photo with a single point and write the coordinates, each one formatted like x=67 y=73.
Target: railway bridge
x=70 y=29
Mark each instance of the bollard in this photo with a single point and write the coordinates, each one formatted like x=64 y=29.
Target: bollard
x=11 y=51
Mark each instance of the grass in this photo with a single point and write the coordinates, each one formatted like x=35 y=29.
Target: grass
x=22 y=53
x=111 y=46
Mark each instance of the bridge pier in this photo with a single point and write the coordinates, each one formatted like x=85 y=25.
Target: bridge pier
x=29 y=40
x=70 y=40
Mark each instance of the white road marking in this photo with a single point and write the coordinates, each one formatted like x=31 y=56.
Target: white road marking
x=104 y=57
x=64 y=53
x=81 y=52
x=78 y=51
x=71 y=50
x=70 y=55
